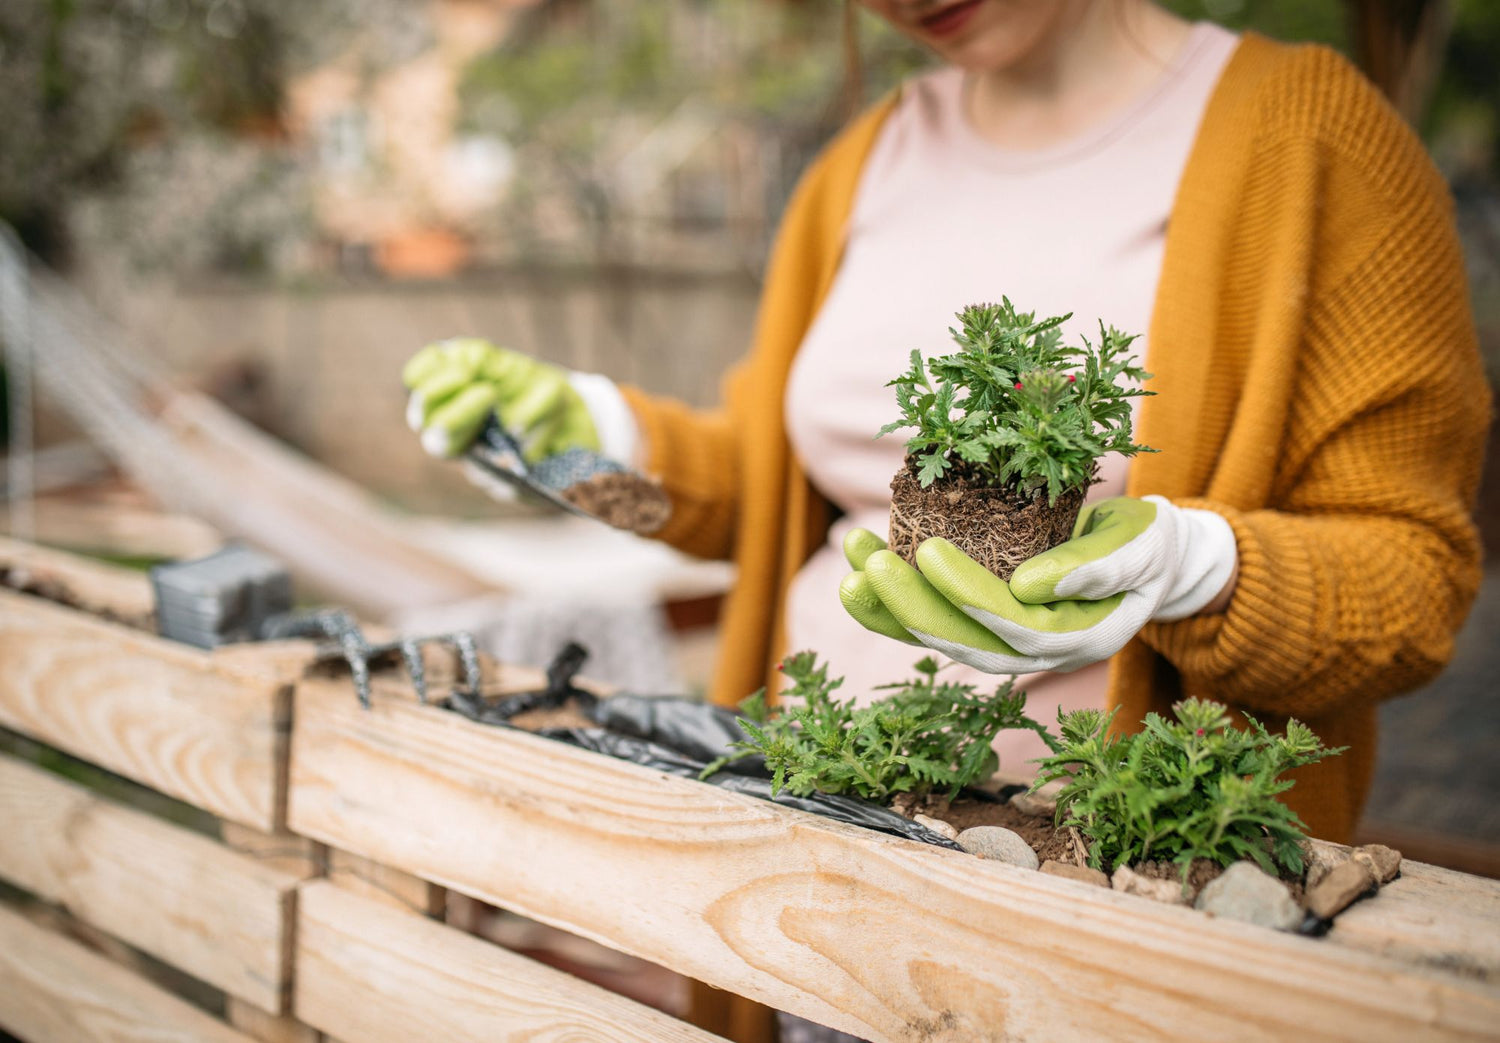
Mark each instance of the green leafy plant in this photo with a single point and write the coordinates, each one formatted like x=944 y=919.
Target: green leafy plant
x=1016 y=407
x=1194 y=787
x=925 y=735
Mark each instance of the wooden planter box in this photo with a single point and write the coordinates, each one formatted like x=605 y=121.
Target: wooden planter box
x=875 y=935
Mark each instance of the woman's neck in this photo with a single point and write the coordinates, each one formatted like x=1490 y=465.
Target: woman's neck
x=1099 y=57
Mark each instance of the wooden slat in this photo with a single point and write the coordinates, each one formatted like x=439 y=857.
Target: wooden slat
x=97 y=586
x=204 y=727
x=53 y=990
x=881 y=937
x=1430 y=916
x=371 y=972
x=182 y=897
x=290 y=854
x=268 y=1028
x=372 y=880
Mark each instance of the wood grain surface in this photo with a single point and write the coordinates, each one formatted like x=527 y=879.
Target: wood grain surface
x=182 y=897
x=53 y=990
x=373 y=972
x=201 y=727
x=885 y=938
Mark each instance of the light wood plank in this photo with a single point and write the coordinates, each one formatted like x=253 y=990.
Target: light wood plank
x=885 y=938
x=110 y=526
x=305 y=859
x=182 y=897
x=1432 y=917
x=205 y=728
x=371 y=972
x=284 y=851
x=268 y=1028
x=381 y=883
x=53 y=990
x=98 y=586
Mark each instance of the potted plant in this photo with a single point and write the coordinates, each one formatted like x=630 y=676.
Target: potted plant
x=1009 y=430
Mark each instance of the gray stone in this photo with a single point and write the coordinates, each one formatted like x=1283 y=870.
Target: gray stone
x=937 y=825
x=1130 y=882
x=999 y=843
x=1383 y=862
x=1322 y=858
x=1243 y=892
x=1034 y=804
x=1083 y=874
x=1333 y=894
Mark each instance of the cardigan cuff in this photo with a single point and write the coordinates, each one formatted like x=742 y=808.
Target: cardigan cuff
x=1265 y=642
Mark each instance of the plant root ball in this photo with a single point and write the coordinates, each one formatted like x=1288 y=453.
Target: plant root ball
x=995 y=527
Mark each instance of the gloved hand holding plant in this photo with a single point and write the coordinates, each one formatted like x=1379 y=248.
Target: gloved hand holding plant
x=1006 y=444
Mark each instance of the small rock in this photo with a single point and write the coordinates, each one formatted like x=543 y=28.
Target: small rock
x=1032 y=804
x=1383 y=862
x=1322 y=858
x=999 y=843
x=1083 y=874
x=1338 y=889
x=937 y=825
x=1243 y=892
x=1133 y=883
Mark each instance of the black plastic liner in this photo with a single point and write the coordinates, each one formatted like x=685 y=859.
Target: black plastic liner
x=675 y=735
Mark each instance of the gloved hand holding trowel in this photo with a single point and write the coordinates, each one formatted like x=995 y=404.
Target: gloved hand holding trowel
x=557 y=436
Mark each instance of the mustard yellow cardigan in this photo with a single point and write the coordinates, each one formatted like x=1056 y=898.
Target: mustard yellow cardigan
x=1318 y=384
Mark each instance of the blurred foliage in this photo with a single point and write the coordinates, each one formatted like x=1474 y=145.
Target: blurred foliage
x=579 y=85
x=150 y=130
x=1463 y=120
x=175 y=101
x=1316 y=21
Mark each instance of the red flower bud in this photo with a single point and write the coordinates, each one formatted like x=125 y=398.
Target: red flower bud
x=1018 y=385
x=1198 y=732
x=1072 y=379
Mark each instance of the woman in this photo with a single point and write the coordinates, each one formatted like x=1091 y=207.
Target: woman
x=1287 y=246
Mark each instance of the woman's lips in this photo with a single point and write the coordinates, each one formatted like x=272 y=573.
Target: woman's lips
x=951 y=18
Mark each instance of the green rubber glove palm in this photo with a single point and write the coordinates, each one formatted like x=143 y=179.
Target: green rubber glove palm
x=456 y=384
x=1130 y=561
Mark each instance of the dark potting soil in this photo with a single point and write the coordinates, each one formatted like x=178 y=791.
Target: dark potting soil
x=1045 y=839
x=997 y=527
x=1060 y=845
x=623 y=500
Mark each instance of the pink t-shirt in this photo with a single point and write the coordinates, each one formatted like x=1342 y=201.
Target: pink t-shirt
x=944 y=218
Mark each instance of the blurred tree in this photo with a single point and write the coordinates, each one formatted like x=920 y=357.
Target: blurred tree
x=106 y=100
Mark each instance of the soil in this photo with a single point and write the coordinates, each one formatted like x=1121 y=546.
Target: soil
x=622 y=499
x=1037 y=830
x=568 y=715
x=997 y=527
x=1061 y=845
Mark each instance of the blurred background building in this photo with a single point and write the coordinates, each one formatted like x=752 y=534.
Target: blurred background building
x=280 y=200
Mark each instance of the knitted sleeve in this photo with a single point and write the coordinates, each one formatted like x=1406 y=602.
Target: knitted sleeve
x=1356 y=578
x=695 y=455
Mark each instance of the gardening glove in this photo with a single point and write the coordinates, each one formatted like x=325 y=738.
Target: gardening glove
x=456 y=384
x=1129 y=562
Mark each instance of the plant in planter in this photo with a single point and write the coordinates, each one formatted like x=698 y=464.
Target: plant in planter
x=925 y=735
x=1008 y=432
x=1179 y=790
